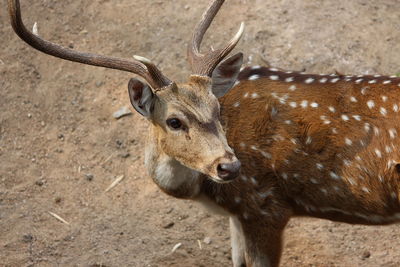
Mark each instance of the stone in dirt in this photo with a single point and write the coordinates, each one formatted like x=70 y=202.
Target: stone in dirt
x=123 y=111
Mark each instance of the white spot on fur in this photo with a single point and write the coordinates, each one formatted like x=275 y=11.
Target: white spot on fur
x=314 y=105
x=376 y=130
x=334 y=80
x=266 y=154
x=378 y=153
x=366 y=190
x=383 y=111
x=308 y=140
x=348 y=141
x=384 y=98
x=372 y=81
x=319 y=166
x=289 y=79
x=367 y=127
x=358 y=80
x=309 y=80
x=357 y=117
x=392 y=133
x=323 y=80
x=333 y=175
x=292 y=87
x=274 y=77
x=331 y=109
x=345 y=117
x=395 y=108
x=254 y=95
x=293 y=104
x=254 y=77
x=370 y=104
x=353 y=99
x=237 y=104
x=364 y=90
x=304 y=103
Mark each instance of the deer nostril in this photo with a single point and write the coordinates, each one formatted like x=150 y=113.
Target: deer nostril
x=228 y=171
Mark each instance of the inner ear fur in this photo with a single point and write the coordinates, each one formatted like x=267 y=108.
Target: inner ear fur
x=141 y=97
x=225 y=74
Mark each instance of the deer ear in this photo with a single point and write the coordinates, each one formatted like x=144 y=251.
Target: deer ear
x=141 y=97
x=225 y=74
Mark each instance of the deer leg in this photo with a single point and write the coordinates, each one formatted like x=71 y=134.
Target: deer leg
x=237 y=242
x=263 y=242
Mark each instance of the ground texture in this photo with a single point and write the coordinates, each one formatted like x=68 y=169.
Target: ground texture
x=60 y=147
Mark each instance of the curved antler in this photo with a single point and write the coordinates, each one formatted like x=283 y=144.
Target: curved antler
x=141 y=66
x=204 y=64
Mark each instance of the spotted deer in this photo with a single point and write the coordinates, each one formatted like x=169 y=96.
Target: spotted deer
x=263 y=144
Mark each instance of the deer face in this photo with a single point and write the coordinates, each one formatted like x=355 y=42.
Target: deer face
x=185 y=118
x=186 y=123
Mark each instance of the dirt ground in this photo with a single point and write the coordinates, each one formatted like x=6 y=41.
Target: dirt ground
x=60 y=146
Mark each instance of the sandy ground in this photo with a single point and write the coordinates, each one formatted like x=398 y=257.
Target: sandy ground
x=60 y=147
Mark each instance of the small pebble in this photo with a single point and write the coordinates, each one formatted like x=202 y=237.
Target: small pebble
x=123 y=111
x=99 y=83
x=366 y=254
x=40 y=182
x=168 y=225
x=27 y=238
x=125 y=155
x=57 y=200
x=207 y=240
x=89 y=176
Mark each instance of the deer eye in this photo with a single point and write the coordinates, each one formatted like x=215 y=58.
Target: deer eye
x=174 y=123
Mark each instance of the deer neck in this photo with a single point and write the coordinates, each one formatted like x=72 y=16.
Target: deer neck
x=169 y=174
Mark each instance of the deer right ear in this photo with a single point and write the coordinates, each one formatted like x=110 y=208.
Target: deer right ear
x=141 y=97
x=225 y=74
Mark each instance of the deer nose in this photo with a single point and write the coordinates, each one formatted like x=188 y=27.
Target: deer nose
x=228 y=171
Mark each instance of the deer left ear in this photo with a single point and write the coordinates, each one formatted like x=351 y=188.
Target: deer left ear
x=141 y=97
x=225 y=74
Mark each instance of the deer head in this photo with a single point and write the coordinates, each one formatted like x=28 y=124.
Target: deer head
x=185 y=125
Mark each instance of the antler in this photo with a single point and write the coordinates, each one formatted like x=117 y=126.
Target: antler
x=141 y=66
x=204 y=64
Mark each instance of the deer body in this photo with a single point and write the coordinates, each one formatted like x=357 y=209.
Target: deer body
x=323 y=146
x=262 y=145
x=327 y=143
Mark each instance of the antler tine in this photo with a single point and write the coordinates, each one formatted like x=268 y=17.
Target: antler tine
x=151 y=74
x=205 y=64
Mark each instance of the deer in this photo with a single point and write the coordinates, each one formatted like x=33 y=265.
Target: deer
x=261 y=144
